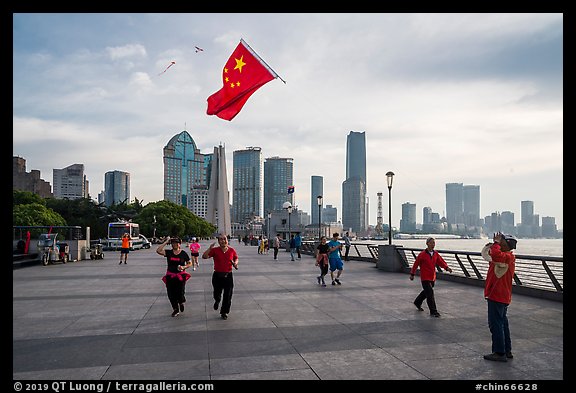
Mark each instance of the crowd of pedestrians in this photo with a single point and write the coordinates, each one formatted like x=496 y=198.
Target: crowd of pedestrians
x=330 y=257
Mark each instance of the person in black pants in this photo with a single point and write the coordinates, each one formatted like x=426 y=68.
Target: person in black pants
x=276 y=245
x=225 y=258
x=176 y=276
x=427 y=260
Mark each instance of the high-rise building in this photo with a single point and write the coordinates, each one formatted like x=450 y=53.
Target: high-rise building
x=70 y=182
x=116 y=187
x=471 y=205
x=278 y=176
x=29 y=181
x=455 y=203
x=218 y=209
x=247 y=184
x=329 y=214
x=529 y=222
x=186 y=174
x=316 y=189
x=408 y=220
x=354 y=187
x=507 y=224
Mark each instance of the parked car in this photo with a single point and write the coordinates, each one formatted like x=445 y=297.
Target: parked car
x=145 y=242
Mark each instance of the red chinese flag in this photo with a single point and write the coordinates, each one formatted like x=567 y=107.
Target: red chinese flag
x=243 y=74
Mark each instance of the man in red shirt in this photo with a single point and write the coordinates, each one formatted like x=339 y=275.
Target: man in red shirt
x=427 y=260
x=498 y=294
x=225 y=258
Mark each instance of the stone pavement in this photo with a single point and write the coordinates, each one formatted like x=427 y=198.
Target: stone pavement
x=97 y=320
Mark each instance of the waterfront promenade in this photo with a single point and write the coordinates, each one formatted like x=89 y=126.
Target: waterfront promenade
x=97 y=320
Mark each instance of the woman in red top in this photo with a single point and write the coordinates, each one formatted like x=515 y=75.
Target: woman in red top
x=225 y=258
x=428 y=259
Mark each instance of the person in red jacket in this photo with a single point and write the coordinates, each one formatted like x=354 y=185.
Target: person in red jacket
x=498 y=294
x=428 y=259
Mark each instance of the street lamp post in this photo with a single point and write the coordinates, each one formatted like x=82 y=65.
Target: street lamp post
x=288 y=207
x=269 y=220
x=154 y=233
x=319 y=198
x=389 y=178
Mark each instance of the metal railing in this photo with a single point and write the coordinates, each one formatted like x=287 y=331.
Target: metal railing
x=535 y=275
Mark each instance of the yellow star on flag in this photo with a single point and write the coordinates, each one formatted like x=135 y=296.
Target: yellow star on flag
x=240 y=63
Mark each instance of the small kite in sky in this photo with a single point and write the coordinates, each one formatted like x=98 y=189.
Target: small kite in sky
x=198 y=49
x=170 y=65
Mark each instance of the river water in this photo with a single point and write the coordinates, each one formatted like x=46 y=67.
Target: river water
x=545 y=247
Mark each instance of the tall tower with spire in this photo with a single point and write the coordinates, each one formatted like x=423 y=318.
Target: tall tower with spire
x=218 y=195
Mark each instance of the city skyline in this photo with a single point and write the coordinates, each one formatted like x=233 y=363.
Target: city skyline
x=467 y=98
x=419 y=213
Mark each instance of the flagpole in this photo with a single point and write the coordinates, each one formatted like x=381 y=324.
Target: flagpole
x=260 y=59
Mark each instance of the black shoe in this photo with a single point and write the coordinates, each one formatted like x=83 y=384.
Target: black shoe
x=216 y=304
x=124 y=262
x=175 y=313
x=181 y=307
x=496 y=357
x=333 y=282
x=224 y=316
x=319 y=279
x=435 y=314
x=338 y=281
x=509 y=355
x=419 y=307
x=120 y=263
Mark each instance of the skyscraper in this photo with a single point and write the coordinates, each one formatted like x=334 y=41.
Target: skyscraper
x=218 y=209
x=278 y=175
x=186 y=173
x=471 y=205
x=455 y=203
x=408 y=221
x=316 y=189
x=70 y=182
x=247 y=184
x=116 y=187
x=354 y=187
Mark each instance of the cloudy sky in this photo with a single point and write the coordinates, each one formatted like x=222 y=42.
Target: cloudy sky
x=468 y=98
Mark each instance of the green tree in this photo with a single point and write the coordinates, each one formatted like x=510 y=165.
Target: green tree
x=172 y=220
x=83 y=212
x=35 y=214
x=25 y=197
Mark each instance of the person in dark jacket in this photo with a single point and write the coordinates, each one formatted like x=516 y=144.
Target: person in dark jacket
x=427 y=260
x=177 y=261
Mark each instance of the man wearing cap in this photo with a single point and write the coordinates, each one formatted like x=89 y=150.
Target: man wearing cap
x=225 y=258
x=498 y=294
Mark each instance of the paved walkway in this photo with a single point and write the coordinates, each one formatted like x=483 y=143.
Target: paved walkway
x=97 y=320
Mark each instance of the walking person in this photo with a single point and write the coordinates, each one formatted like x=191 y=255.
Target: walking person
x=298 y=244
x=177 y=261
x=126 y=244
x=347 y=244
x=225 y=258
x=261 y=245
x=276 y=245
x=334 y=258
x=498 y=294
x=194 y=252
x=428 y=259
x=292 y=247
x=322 y=260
